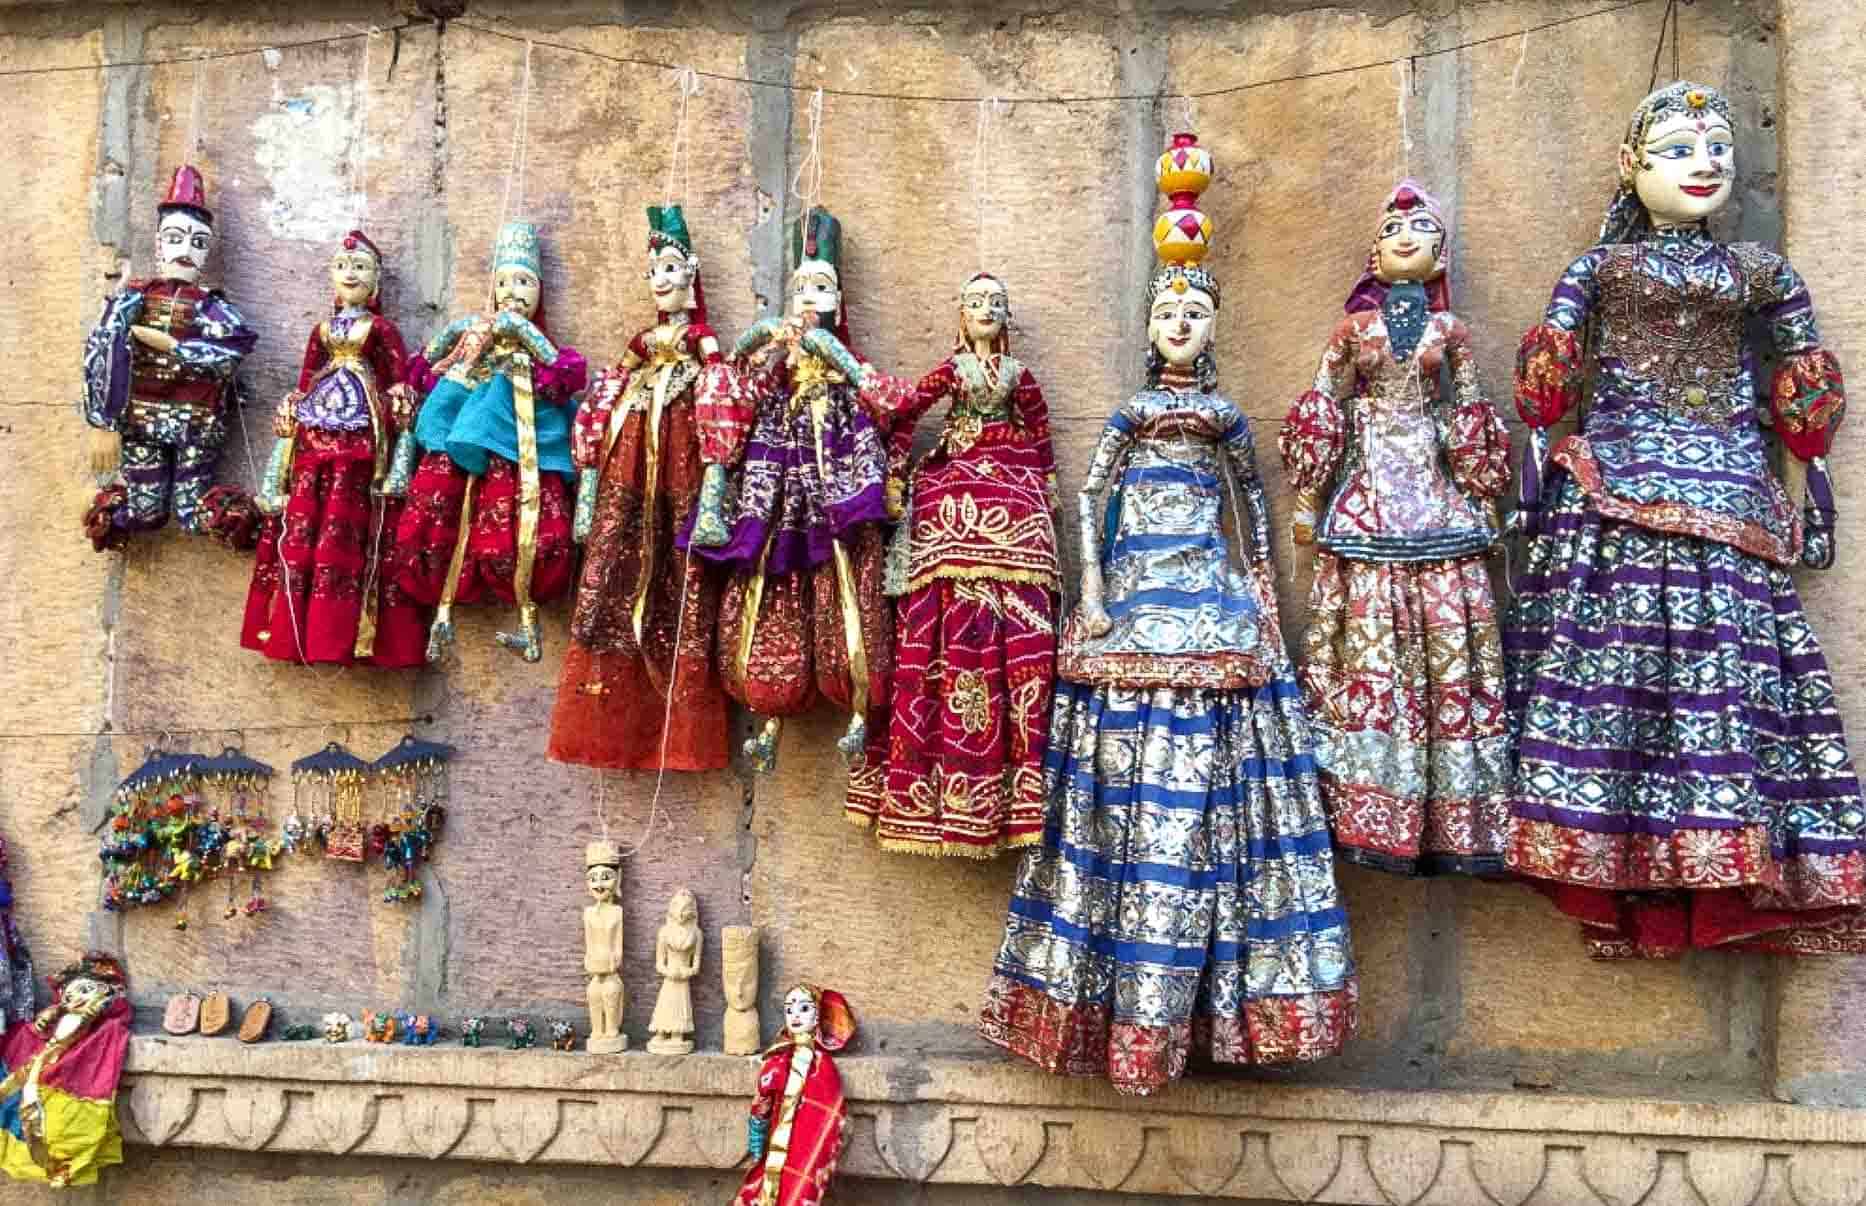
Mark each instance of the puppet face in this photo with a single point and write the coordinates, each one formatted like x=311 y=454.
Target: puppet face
x=682 y=910
x=800 y=1012
x=671 y=272
x=84 y=995
x=1684 y=170
x=354 y=276
x=815 y=288
x=603 y=882
x=1180 y=324
x=1409 y=247
x=985 y=306
x=183 y=243
x=516 y=289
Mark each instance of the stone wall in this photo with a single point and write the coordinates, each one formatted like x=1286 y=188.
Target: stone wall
x=1476 y=988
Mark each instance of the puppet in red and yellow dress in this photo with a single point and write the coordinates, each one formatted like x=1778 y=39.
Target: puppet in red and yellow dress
x=58 y=1110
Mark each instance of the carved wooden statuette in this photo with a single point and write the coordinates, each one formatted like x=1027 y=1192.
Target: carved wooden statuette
x=677 y=959
x=739 y=960
x=602 y=948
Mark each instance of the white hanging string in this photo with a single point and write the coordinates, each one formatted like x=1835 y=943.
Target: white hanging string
x=1402 y=71
x=521 y=136
x=1522 y=56
x=359 y=136
x=681 y=153
x=1188 y=116
x=602 y=802
x=194 y=113
x=982 y=152
x=806 y=183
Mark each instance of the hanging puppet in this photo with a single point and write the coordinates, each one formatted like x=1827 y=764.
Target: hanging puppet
x=319 y=593
x=1184 y=890
x=803 y=612
x=158 y=372
x=643 y=628
x=1402 y=664
x=488 y=511
x=976 y=640
x=58 y=1108
x=800 y=1119
x=1682 y=777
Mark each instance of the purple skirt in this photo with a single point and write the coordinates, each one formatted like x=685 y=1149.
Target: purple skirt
x=1682 y=777
x=789 y=498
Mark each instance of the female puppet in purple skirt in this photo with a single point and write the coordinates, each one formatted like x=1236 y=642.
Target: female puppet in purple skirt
x=1682 y=777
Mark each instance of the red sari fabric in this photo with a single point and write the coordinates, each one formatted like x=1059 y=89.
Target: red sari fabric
x=819 y=1127
x=974 y=665
x=316 y=563
x=430 y=526
x=90 y=1067
x=614 y=693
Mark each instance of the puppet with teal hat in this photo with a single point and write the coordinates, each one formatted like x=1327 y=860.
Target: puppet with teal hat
x=488 y=509
x=803 y=524
x=638 y=690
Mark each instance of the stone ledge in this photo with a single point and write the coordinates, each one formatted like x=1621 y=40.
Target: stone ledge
x=984 y=1123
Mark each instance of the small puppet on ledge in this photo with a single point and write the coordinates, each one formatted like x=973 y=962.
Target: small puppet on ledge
x=800 y=1119
x=58 y=1110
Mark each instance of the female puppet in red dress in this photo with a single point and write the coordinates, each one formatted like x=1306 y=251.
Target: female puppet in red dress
x=318 y=591
x=800 y=1119
x=976 y=647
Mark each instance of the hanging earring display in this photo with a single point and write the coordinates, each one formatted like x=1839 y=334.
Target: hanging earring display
x=236 y=837
x=145 y=850
x=331 y=782
x=414 y=781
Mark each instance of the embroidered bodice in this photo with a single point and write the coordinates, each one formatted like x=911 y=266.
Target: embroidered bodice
x=1672 y=438
x=344 y=391
x=1175 y=463
x=981 y=499
x=1410 y=471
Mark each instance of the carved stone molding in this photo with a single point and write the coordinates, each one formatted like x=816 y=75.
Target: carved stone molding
x=986 y=1123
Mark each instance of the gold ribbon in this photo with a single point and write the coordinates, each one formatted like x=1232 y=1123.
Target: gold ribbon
x=777 y=1147
x=666 y=356
x=444 y=612
x=845 y=572
x=524 y=410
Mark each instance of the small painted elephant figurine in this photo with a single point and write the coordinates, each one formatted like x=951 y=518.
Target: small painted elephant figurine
x=563 y=1036
x=418 y=1030
x=378 y=1027
x=471 y=1030
x=522 y=1033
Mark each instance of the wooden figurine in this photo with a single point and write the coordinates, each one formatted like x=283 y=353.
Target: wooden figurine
x=677 y=960
x=602 y=948
x=739 y=964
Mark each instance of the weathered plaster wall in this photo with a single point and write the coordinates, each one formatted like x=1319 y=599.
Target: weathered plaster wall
x=1464 y=985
